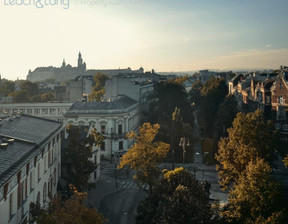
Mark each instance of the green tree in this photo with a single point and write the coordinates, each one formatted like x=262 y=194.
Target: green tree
x=79 y=152
x=36 y=98
x=213 y=93
x=166 y=97
x=177 y=199
x=227 y=112
x=48 y=97
x=195 y=93
x=255 y=197
x=21 y=96
x=145 y=155
x=249 y=138
x=70 y=211
x=30 y=87
x=7 y=87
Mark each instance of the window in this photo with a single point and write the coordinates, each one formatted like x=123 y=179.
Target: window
x=95 y=175
x=31 y=181
x=29 y=111
x=36 y=111
x=102 y=147
x=95 y=159
x=38 y=197
x=282 y=112
x=19 y=195
x=49 y=159
x=120 y=145
x=103 y=127
x=45 y=111
x=280 y=99
x=45 y=164
x=285 y=127
x=26 y=195
x=280 y=86
x=277 y=126
x=38 y=175
x=44 y=193
x=59 y=170
x=120 y=128
x=11 y=204
x=52 y=111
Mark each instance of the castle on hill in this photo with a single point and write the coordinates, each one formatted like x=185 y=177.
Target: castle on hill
x=68 y=72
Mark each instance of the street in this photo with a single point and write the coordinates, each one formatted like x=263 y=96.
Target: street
x=117 y=198
x=121 y=207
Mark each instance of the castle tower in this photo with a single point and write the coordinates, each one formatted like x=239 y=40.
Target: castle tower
x=63 y=63
x=80 y=60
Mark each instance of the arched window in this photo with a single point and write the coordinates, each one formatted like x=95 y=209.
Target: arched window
x=81 y=123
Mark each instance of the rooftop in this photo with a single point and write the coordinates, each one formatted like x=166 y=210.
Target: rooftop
x=121 y=104
x=29 y=134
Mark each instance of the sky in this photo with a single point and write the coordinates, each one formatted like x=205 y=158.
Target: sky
x=164 y=35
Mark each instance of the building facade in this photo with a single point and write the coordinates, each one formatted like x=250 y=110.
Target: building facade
x=135 y=87
x=30 y=161
x=53 y=111
x=112 y=119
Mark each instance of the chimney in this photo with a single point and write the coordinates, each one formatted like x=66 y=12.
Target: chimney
x=4 y=145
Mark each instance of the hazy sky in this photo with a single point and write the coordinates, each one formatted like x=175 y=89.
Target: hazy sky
x=167 y=35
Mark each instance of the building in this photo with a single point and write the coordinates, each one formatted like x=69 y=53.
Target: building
x=135 y=87
x=53 y=110
x=30 y=167
x=68 y=72
x=113 y=119
x=267 y=91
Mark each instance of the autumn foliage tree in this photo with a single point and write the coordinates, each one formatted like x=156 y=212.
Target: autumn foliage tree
x=255 y=197
x=69 y=211
x=249 y=138
x=98 y=90
x=177 y=199
x=145 y=155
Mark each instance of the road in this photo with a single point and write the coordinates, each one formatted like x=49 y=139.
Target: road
x=203 y=171
x=121 y=207
x=118 y=202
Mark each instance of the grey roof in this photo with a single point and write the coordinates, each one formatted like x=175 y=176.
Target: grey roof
x=30 y=133
x=122 y=104
x=28 y=128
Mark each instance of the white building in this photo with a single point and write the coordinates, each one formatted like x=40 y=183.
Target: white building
x=30 y=167
x=113 y=119
x=53 y=111
x=136 y=87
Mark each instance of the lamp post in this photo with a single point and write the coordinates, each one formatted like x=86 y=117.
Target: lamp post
x=184 y=142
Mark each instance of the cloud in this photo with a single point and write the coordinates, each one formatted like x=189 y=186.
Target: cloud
x=250 y=59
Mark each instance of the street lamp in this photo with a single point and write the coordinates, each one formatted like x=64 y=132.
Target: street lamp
x=184 y=142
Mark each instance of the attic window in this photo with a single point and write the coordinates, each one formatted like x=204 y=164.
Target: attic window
x=280 y=86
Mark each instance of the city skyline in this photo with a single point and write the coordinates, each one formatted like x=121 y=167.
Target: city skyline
x=162 y=35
